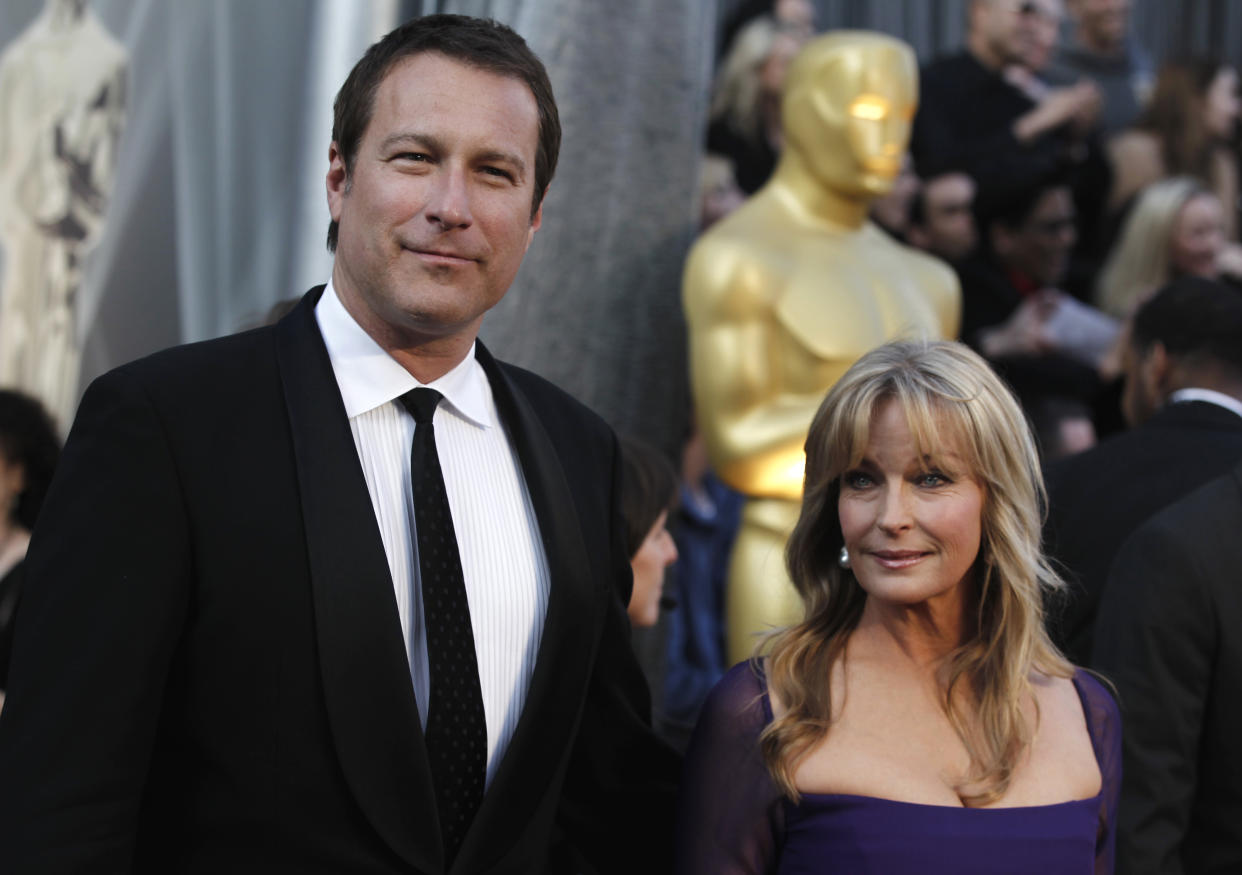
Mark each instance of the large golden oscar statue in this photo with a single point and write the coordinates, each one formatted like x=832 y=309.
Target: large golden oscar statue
x=786 y=292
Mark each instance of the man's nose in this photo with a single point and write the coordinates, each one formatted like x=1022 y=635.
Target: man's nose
x=449 y=202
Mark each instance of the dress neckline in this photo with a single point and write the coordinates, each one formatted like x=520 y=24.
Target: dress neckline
x=1076 y=680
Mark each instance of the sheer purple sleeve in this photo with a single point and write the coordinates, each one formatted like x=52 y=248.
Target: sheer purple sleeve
x=730 y=814
x=1104 y=724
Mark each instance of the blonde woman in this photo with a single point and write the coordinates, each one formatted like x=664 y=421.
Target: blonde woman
x=745 y=118
x=1176 y=228
x=918 y=720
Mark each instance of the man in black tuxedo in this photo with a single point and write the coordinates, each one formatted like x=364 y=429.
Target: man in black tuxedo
x=233 y=655
x=1174 y=605
x=1183 y=397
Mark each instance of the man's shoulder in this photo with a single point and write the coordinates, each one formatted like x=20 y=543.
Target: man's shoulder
x=552 y=403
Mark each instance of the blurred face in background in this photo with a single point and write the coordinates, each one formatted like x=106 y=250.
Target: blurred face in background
x=656 y=553
x=1221 y=104
x=1045 y=30
x=948 y=228
x=1040 y=247
x=1102 y=24
x=1198 y=236
x=1004 y=32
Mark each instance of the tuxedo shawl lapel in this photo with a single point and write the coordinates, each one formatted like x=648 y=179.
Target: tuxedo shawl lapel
x=363 y=663
x=563 y=664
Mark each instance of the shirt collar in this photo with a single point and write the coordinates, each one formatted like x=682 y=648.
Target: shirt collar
x=1210 y=396
x=369 y=377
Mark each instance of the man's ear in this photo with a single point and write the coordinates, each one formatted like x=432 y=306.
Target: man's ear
x=536 y=221
x=337 y=181
x=1159 y=367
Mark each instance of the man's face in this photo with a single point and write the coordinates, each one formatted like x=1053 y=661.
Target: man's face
x=1010 y=30
x=435 y=213
x=1040 y=247
x=1103 y=23
x=948 y=228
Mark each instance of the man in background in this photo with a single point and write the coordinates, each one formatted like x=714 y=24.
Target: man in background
x=1183 y=401
x=1168 y=639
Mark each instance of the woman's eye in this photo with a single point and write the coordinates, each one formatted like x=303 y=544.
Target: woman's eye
x=857 y=480
x=932 y=478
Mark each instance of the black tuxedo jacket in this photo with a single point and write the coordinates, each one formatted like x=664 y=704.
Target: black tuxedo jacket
x=1171 y=644
x=209 y=673
x=1099 y=497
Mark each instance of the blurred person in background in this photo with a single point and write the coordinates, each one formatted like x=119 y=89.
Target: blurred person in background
x=1101 y=48
x=718 y=193
x=1183 y=400
x=796 y=16
x=744 y=124
x=972 y=117
x=28 y=453
x=1168 y=640
x=648 y=494
x=1186 y=129
x=1176 y=228
x=942 y=220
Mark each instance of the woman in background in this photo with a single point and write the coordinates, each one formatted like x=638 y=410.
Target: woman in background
x=918 y=720
x=745 y=116
x=1186 y=130
x=648 y=493
x=28 y=453
x=1177 y=228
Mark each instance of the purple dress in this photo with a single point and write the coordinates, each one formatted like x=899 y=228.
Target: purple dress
x=733 y=819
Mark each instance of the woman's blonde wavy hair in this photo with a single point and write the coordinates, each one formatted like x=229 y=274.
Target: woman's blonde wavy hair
x=951 y=398
x=737 y=93
x=1140 y=262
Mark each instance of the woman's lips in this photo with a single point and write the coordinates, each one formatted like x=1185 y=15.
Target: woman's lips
x=895 y=559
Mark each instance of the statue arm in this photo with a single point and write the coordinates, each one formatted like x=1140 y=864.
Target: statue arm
x=752 y=422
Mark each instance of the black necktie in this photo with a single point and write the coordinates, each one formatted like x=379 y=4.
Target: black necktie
x=456 y=727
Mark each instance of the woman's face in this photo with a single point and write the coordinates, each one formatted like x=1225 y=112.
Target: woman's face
x=1221 y=103
x=912 y=528
x=656 y=553
x=1198 y=237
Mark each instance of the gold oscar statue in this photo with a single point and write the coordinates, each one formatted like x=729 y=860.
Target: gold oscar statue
x=785 y=293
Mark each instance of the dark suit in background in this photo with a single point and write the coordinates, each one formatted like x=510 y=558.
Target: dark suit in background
x=209 y=669
x=1098 y=498
x=1173 y=648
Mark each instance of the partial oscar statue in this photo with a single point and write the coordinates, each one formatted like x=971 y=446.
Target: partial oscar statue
x=786 y=292
x=62 y=107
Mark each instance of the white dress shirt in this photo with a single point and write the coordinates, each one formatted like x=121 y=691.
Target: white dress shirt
x=502 y=556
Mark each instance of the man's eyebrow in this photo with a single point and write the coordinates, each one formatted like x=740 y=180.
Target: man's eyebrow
x=410 y=138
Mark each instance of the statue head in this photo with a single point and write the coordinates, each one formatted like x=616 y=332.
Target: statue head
x=849 y=102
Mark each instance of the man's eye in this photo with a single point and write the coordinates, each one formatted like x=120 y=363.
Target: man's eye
x=498 y=172
x=411 y=156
